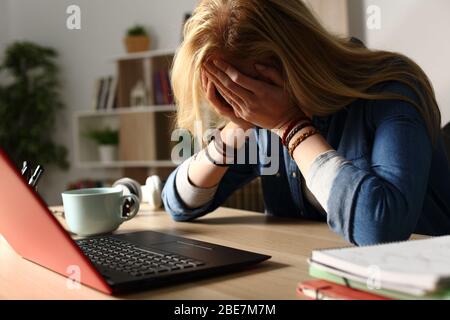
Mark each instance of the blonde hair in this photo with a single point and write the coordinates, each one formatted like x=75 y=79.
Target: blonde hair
x=324 y=73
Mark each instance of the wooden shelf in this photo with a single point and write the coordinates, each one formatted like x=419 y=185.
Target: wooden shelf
x=144 y=55
x=145 y=119
x=129 y=110
x=126 y=164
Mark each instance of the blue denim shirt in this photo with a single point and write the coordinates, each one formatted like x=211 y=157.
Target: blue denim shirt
x=396 y=182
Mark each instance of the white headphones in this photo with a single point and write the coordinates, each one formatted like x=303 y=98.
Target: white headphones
x=149 y=193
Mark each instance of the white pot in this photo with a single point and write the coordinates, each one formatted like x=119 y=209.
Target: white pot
x=107 y=153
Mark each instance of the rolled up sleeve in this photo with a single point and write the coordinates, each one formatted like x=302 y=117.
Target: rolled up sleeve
x=236 y=177
x=384 y=203
x=191 y=195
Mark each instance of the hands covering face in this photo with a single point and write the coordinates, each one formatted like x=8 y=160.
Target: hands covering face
x=246 y=101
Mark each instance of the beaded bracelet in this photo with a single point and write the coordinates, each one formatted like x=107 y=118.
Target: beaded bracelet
x=291 y=126
x=301 y=139
x=297 y=129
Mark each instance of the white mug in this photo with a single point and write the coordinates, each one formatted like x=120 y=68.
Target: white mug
x=96 y=211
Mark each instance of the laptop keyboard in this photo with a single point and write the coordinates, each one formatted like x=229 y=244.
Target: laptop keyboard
x=126 y=257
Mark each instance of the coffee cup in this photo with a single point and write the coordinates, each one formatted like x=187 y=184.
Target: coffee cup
x=95 y=211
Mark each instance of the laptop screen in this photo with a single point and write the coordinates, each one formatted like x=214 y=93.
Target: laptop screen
x=35 y=234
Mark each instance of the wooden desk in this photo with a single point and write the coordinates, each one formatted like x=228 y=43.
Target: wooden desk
x=289 y=242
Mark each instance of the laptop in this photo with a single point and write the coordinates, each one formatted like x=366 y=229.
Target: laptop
x=115 y=263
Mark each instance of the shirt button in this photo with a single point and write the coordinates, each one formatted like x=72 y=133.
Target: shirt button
x=294 y=175
x=278 y=175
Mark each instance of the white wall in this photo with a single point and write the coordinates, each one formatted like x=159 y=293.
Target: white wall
x=419 y=29
x=85 y=54
x=333 y=14
x=4 y=25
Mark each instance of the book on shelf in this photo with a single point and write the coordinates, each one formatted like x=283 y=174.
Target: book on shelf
x=105 y=93
x=168 y=93
x=157 y=89
x=97 y=93
x=162 y=89
x=112 y=94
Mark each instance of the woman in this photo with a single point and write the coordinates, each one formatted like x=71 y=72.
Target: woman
x=360 y=129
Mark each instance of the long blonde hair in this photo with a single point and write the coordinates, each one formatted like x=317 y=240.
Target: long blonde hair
x=324 y=72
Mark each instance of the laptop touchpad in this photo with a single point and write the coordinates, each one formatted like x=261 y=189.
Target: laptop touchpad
x=186 y=248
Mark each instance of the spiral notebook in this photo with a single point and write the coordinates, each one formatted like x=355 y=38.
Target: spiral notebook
x=420 y=264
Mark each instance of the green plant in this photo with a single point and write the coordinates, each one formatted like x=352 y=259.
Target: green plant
x=29 y=102
x=105 y=136
x=137 y=30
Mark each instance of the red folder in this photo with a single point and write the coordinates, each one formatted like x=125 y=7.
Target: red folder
x=324 y=290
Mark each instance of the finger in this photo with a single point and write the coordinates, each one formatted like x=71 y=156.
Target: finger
x=228 y=82
x=235 y=101
x=235 y=107
x=237 y=77
x=224 y=89
x=217 y=104
x=232 y=101
x=270 y=73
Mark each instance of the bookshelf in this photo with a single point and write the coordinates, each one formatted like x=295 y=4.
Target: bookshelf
x=144 y=130
x=86 y=155
x=143 y=55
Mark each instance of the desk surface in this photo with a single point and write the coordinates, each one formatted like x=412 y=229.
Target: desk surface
x=289 y=242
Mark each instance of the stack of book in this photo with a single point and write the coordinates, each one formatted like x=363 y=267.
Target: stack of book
x=409 y=270
x=162 y=89
x=105 y=93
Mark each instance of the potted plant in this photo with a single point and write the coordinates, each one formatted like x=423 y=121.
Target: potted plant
x=30 y=101
x=137 y=39
x=107 y=140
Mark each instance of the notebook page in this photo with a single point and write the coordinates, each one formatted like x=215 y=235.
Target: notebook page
x=422 y=262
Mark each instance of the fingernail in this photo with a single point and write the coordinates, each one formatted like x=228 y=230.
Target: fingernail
x=260 y=67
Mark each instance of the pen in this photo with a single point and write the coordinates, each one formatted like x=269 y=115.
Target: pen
x=36 y=176
x=25 y=168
